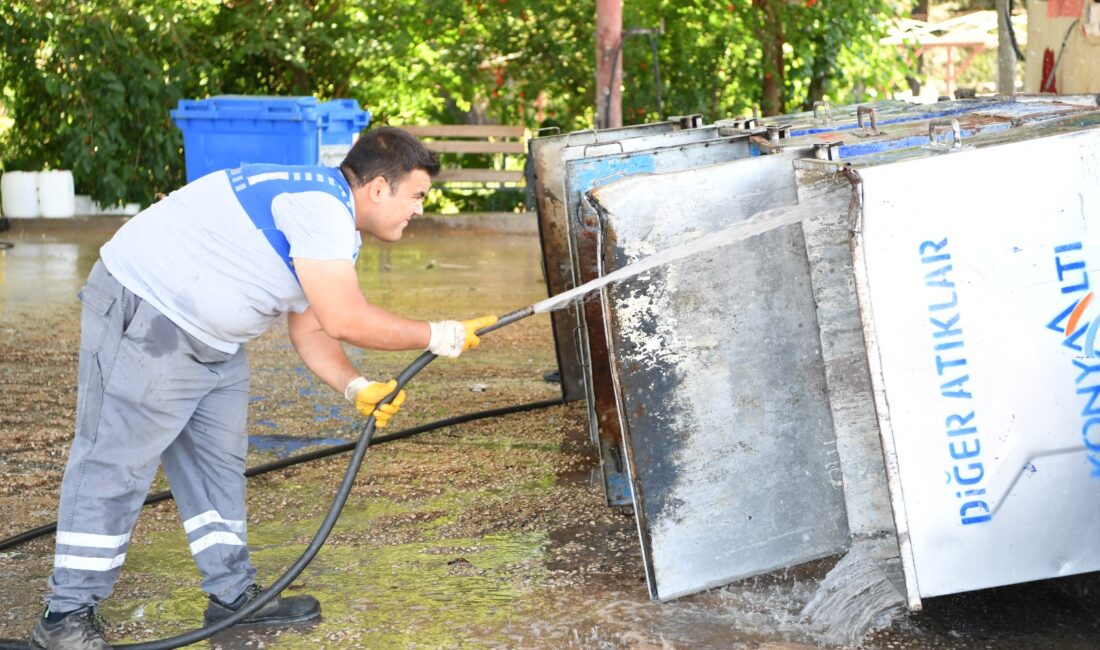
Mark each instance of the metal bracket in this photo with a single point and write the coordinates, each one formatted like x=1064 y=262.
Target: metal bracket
x=737 y=124
x=763 y=145
x=827 y=150
x=778 y=132
x=569 y=136
x=826 y=108
x=617 y=143
x=578 y=333
x=603 y=179
x=692 y=121
x=870 y=112
x=941 y=125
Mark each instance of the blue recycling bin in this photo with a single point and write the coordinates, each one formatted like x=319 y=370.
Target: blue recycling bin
x=224 y=131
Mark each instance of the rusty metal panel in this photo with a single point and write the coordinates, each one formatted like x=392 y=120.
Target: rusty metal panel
x=660 y=153
x=544 y=158
x=719 y=375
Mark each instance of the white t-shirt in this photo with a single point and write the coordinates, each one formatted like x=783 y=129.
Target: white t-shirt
x=198 y=258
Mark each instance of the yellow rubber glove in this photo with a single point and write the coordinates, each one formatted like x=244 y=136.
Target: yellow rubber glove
x=451 y=338
x=366 y=395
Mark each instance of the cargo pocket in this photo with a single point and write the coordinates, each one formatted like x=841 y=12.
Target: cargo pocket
x=94 y=321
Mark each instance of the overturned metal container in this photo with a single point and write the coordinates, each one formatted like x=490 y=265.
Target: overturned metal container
x=745 y=389
x=974 y=304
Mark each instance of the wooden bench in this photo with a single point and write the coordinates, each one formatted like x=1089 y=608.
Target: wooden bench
x=447 y=140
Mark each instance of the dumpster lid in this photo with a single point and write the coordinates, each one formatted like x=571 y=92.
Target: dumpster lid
x=248 y=107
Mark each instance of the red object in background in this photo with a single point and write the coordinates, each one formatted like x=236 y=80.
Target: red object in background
x=1065 y=8
x=1048 y=81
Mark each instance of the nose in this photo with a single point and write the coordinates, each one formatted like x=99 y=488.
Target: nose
x=418 y=207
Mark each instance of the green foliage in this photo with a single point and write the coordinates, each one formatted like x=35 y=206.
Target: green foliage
x=90 y=91
x=712 y=55
x=89 y=85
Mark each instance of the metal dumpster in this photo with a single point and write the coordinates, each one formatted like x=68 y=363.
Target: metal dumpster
x=751 y=435
x=974 y=304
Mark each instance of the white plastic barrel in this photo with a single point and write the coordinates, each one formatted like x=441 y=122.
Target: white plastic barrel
x=20 y=194
x=56 y=194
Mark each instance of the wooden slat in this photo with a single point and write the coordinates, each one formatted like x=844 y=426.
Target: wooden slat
x=474 y=146
x=479 y=176
x=464 y=130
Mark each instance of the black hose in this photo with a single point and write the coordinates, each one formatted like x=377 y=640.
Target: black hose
x=1012 y=32
x=298 y=459
x=323 y=532
x=649 y=33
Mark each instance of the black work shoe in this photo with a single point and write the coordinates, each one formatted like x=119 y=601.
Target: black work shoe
x=294 y=609
x=80 y=630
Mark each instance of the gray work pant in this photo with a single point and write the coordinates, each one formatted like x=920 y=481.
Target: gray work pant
x=149 y=393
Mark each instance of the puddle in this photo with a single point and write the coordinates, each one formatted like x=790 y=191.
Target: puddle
x=284 y=446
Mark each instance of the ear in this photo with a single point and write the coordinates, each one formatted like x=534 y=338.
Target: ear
x=376 y=188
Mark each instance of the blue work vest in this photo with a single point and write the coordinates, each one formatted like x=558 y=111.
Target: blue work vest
x=257 y=185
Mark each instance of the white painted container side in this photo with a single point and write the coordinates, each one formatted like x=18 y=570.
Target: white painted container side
x=981 y=326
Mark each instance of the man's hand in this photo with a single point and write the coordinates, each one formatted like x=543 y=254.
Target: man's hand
x=451 y=338
x=366 y=395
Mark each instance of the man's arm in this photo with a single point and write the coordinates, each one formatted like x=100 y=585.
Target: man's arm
x=325 y=357
x=343 y=313
x=322 y=354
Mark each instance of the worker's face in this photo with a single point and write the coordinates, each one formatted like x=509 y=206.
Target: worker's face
x=386 y=209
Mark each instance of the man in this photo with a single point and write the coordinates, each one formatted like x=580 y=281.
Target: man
x=163 y=377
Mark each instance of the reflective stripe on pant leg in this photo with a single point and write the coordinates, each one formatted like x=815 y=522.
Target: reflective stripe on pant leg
x=205 y=467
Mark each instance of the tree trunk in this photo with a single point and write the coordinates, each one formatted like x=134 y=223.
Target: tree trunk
x=773 y=84
x=821 y=71
x=1006 y=56
x=609 y=63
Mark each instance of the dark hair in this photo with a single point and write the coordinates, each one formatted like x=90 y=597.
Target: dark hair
x=387 y=152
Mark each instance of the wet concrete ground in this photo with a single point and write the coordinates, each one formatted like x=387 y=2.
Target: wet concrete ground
x=487 y=534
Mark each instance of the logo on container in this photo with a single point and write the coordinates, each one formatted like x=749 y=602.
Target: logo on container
x=1078 y=333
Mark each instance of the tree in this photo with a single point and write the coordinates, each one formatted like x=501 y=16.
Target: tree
x=90 y=84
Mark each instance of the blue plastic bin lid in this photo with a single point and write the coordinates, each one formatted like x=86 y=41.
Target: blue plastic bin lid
x=261 y=107
x=344 y=112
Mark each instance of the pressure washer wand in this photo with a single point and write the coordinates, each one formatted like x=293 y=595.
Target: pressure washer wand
x=292 y=573
x=424 y=359
x=508 y=319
